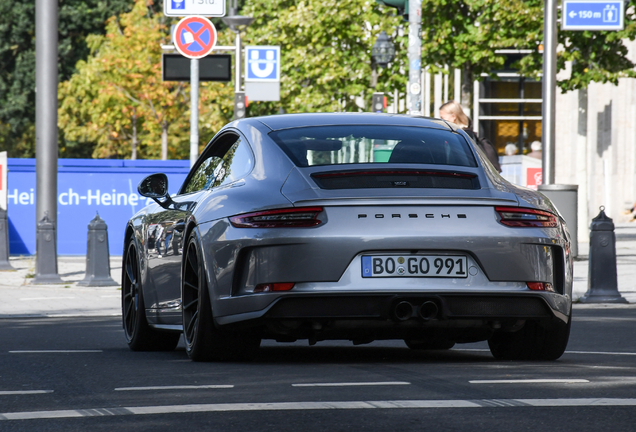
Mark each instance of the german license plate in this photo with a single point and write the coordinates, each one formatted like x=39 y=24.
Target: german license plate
x=451 y=266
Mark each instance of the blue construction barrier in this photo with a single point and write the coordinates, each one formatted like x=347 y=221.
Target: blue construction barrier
x=84 y=187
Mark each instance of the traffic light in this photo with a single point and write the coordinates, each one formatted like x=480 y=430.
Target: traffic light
x=402 y=6
x=378 y=102
x=240 y=105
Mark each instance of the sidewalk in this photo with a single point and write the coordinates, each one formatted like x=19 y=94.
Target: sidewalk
x=18 y=298
x=625 y=266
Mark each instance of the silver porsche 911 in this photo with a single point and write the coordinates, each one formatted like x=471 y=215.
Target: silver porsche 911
x=357 y=227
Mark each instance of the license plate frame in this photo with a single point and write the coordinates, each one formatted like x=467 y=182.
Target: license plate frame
x=415 y=265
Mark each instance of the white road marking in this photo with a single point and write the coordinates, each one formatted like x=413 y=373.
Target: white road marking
x=182 y=387
x=567 y=352
x=530 y=381
x=602 y=353
x=353 y=384
x=46 y=298
x=24 y=392
x=343 y=405
x=111 y=296
x=52 y=351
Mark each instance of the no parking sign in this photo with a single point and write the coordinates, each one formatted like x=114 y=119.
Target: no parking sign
x=195 y=37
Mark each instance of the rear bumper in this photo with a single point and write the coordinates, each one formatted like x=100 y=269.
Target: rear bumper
x=474 y=307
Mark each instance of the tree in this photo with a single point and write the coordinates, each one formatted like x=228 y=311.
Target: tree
x=325 y=52
x=77 y=19
x=466 y=34
x=118 y=99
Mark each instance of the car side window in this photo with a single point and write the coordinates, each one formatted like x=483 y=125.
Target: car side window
x=203 y=177
x=237 y=163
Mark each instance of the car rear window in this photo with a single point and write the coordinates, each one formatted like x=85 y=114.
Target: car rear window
x=356 y=144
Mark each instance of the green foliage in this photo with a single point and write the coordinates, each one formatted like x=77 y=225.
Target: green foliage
x=117 y=97
x=77 y=19
x=325 y=52
x=108 y=83
x=466 y=33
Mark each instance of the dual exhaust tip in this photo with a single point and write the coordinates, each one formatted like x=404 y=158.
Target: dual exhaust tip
x=404 y=310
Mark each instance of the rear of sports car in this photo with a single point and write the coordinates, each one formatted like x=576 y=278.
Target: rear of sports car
x=397 y=232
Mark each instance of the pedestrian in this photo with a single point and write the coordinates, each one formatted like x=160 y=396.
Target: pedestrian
x=452 y=112
x=510 y=149
x=535 y=150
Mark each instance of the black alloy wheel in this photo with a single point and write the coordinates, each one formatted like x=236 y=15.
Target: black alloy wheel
x=197 y=312
x=139 y=335
x=203 y=340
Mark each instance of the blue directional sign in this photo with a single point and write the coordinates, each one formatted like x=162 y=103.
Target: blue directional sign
x=592 y=15
x=262 y=63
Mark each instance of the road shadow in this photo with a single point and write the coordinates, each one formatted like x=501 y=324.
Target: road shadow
x=281 y=354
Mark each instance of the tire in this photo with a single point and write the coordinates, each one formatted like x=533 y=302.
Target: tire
x=139 y=335
x=422 y=345
x=535 y=341
x=203 y=340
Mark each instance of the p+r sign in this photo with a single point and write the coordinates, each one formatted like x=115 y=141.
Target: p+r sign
x=592 y=15
x=181 y=8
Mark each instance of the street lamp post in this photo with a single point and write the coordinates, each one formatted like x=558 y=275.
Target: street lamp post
x=415 y=57
x=549 y=89
x=237 y=23
x=46 y=146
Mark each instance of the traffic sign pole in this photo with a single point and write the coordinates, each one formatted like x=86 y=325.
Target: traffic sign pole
x=237 y=81
x=195 y=38
x=194 y=111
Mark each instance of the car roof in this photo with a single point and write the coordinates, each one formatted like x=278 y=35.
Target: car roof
x=287 y=121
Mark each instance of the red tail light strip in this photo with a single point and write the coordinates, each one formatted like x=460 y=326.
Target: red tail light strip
x=401 y=172
x=519 y=217
x=302 y=217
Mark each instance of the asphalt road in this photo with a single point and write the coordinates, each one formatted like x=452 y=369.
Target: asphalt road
x=78 y=374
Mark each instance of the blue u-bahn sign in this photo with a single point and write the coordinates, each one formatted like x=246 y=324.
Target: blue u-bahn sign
x=84 y=187
x=262 y=63
x=592 y=15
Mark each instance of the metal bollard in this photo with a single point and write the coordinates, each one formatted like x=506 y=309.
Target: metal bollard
x=97 y=256
x=46 y=262
x=602 y=279
x=4 y=242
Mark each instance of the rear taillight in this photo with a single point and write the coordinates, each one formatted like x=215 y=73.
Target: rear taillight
x=269 y=287
x=280 y=218
x=525 y=217
x=540 y=286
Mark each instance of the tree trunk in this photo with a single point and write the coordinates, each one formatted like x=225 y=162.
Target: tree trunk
x=164 y=140
x=135 y=139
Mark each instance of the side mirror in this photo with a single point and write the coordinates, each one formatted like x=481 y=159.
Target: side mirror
x=154 y=186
